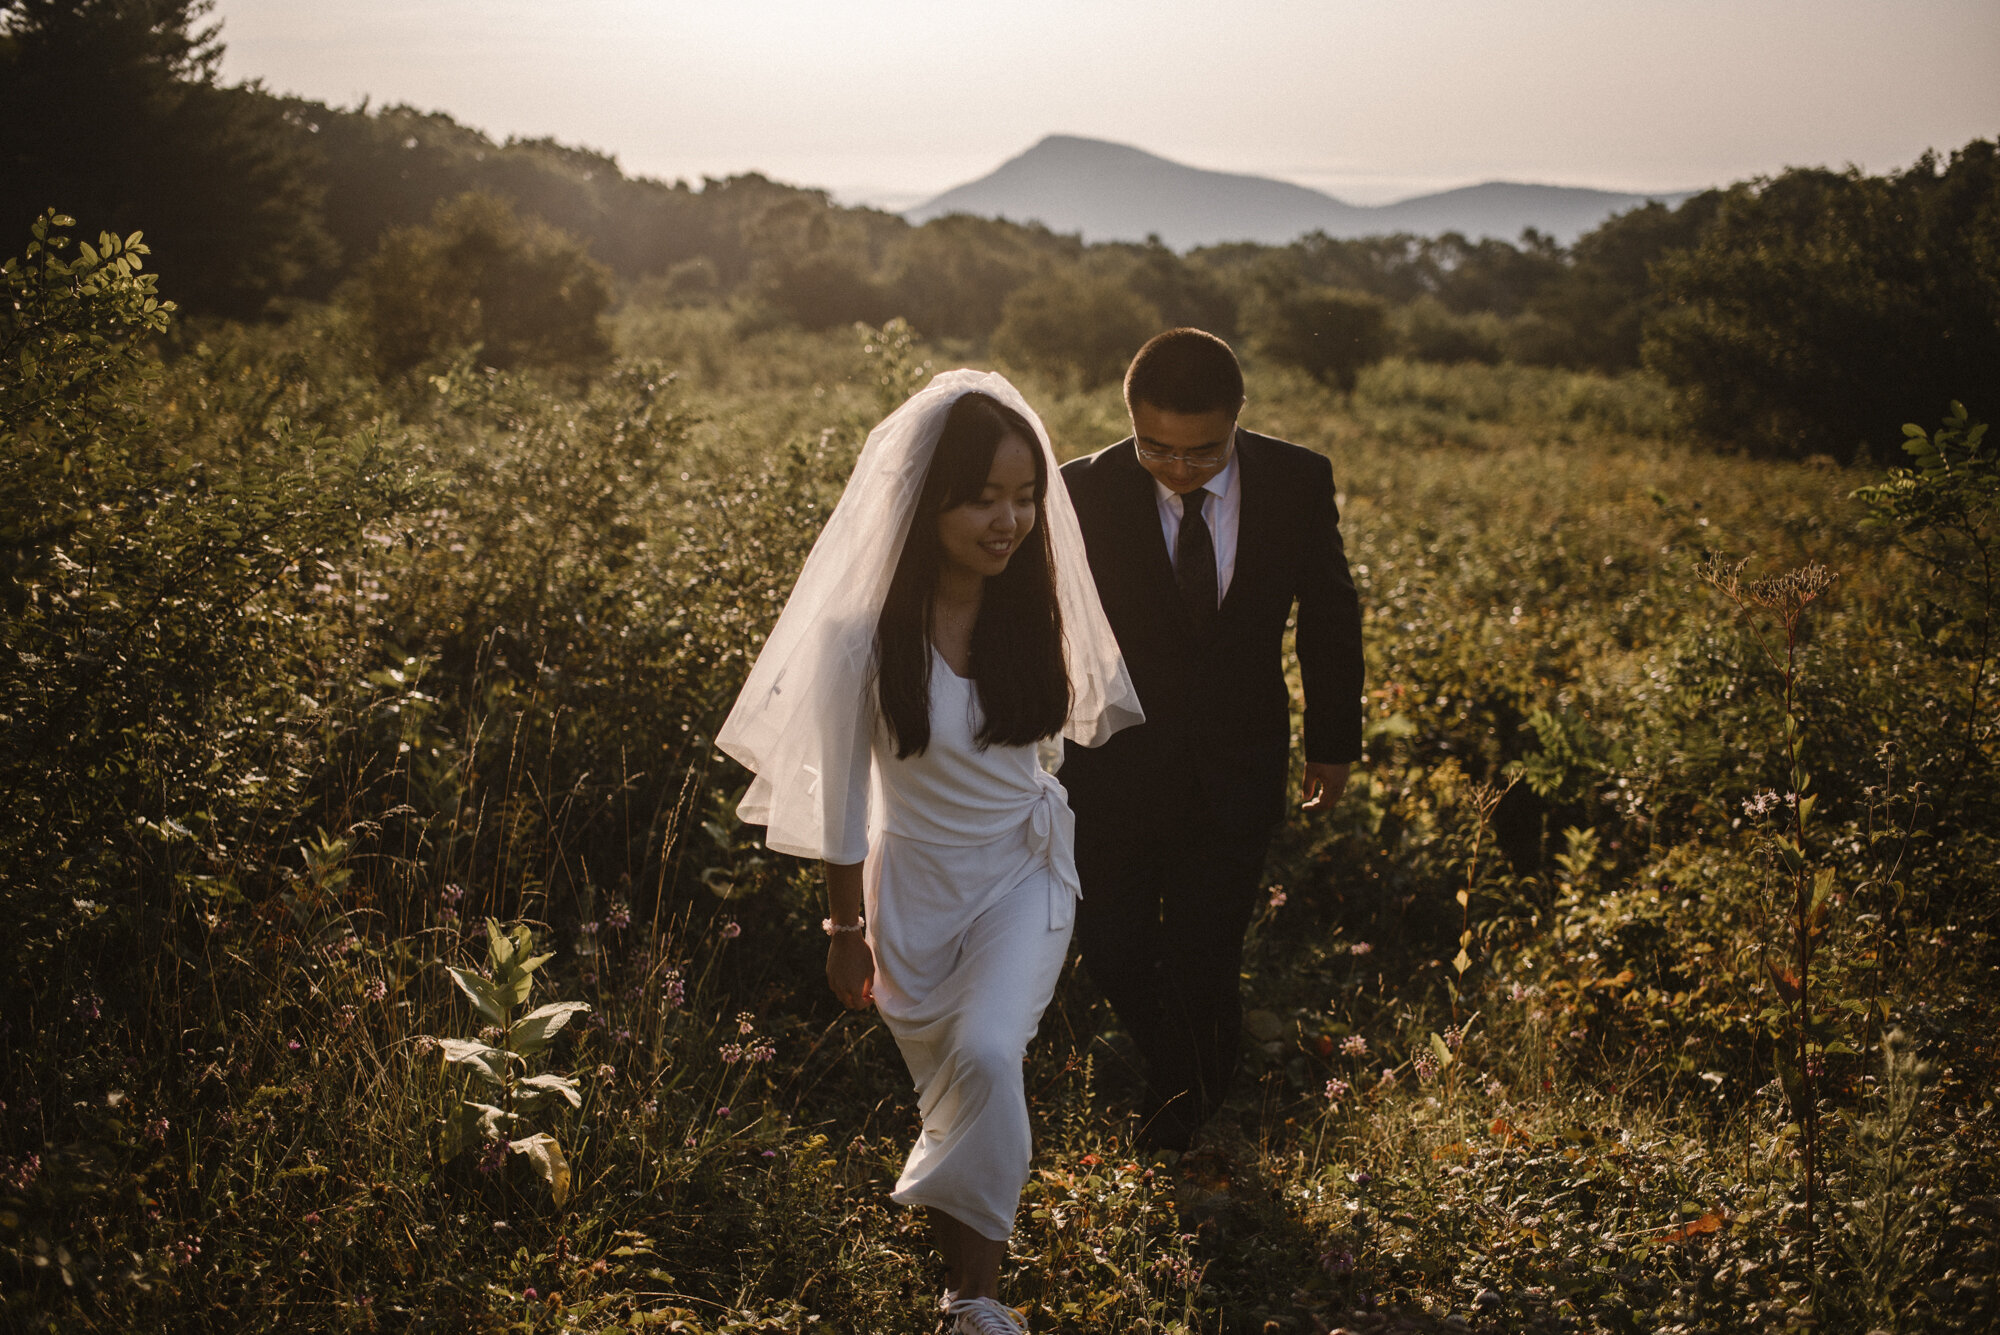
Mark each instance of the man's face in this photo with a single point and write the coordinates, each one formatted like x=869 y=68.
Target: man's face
x=1183 y=450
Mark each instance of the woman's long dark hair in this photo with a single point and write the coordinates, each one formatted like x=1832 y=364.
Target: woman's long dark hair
x=1017 y=643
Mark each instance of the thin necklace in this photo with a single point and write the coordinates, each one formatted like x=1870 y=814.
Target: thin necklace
x=955 y=618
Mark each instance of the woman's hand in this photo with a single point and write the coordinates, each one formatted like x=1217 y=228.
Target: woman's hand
x=850 y=970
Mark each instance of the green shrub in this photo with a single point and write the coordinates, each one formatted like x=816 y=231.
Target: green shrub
x=953 y=275
x=477 y=279
x=1328 y=333
x=1425 y=331
x=822 y=289
x=1075 y=328
x=165 y=611
x=1818 y=305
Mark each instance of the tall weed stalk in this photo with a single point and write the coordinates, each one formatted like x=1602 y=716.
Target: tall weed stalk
x=1812 y=884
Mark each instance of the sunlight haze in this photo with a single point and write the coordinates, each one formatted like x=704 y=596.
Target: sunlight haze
x=893 y=101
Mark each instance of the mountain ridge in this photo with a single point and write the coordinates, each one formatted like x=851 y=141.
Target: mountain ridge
x=1108 y=191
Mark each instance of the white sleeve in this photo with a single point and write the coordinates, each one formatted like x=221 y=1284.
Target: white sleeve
x=845 y=795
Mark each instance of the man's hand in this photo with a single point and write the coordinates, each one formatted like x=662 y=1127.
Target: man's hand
x=850 y=969
x=1323 y=785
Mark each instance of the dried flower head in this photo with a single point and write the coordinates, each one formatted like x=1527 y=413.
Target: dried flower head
x=1786 y=594
x=1793 y=589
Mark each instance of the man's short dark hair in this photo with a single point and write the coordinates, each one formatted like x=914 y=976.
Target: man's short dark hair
x=1185 y=371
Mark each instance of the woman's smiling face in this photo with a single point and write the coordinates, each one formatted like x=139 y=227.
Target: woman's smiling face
x=979 y=536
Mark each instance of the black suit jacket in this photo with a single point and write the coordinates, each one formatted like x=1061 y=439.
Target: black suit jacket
x=1217 y=734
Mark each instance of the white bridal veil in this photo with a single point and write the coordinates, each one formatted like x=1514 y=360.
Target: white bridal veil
x=809 y=700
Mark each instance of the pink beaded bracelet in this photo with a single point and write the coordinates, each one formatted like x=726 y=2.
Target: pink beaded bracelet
x=832 y=928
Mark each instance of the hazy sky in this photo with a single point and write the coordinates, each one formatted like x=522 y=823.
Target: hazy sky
x=892 y=101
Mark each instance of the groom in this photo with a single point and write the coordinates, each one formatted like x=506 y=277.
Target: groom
x=1202 y=538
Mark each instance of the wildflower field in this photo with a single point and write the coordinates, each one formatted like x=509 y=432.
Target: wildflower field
x=387 y=955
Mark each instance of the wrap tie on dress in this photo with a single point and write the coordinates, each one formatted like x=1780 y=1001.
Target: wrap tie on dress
x=1052 y=837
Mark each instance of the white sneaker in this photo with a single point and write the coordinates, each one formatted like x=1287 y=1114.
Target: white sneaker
x=986 y=1316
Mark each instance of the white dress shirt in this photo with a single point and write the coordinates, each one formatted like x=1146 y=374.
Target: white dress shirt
x=1224 y=514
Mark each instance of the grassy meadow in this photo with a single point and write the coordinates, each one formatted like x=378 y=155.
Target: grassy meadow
x=1531 y=1046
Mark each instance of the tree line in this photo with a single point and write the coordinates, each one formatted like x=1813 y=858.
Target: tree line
x=1805 y=313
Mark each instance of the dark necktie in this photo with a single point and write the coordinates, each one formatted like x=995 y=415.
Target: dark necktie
x=1194 y=560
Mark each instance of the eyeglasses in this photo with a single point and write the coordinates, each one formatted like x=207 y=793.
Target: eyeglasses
x=1197 y=461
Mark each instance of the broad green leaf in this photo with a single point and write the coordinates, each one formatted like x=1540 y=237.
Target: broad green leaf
x=489 y=1062
x=1461 y=961
x=1440 y=1051
x=547 y=1157
x=499 y=946
x=514 y=990
x=543 y=1023
x=484 y=995
x=461 y=1129
x=492 y=1120
x=1823 y=885
x=558 y=1084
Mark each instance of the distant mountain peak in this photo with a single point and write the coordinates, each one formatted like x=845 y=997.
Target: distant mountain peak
x=1116 y=192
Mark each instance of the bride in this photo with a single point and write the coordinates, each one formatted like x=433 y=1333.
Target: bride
x=944 y=624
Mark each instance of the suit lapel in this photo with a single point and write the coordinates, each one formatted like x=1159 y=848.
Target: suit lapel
x=1139 y=529
x=1253 y=504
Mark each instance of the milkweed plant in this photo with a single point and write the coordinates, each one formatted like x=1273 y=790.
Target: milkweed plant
x=499 y=1058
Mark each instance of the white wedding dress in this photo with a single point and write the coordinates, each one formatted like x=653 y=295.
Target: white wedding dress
x=971 y=877
x=971 y=894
